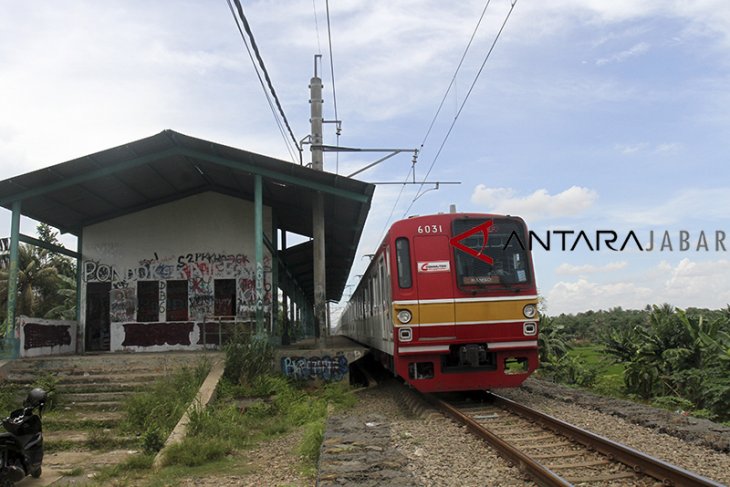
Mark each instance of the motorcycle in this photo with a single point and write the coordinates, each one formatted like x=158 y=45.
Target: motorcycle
x=21 y=448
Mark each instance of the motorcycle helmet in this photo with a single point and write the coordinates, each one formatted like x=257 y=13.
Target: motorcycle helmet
x=36 y=397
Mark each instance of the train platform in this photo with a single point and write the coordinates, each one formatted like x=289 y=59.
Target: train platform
x=303 y=360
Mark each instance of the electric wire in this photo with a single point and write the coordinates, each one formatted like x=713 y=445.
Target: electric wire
x=256 y=51
x=453 y=79
x=438 y=111
x=261 y=81
x=316 y=26
x=466 y=98
x=334 y=89
x=395 y=205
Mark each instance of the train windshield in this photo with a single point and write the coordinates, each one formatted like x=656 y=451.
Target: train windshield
x=492 y=253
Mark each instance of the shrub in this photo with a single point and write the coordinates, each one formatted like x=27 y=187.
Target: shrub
x=247 y=358
x=163 y=404
x=198 y=451
x=152 y=440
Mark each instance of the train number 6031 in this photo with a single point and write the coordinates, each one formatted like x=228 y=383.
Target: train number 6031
x=430 y=229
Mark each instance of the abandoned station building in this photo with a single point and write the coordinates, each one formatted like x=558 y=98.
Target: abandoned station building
x=178 y=236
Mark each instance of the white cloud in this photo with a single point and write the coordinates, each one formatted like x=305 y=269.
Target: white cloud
x=643 y=147
x=684 y=284
x=569 y=269
x=536 y=206
x=622 y=56
x=686 y=208
x=583 y=295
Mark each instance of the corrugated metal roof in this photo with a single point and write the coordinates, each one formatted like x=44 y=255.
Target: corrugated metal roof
x=170 y=165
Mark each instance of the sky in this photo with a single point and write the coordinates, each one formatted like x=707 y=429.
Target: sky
x=587 y=115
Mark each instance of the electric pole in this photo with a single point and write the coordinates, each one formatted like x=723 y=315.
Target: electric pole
x=320 y=269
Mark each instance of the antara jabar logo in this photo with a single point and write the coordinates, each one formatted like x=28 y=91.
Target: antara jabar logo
x=484 y=229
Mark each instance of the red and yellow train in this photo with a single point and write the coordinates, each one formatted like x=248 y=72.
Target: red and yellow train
x=449 y=303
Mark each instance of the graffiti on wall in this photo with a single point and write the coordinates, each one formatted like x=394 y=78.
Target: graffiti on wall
x=150 y=334
x=122 y=304
x=309 y=368
x=38 y=335
x=199 y=269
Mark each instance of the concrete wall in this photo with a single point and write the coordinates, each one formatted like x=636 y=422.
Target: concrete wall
x=198 y=239
x=40 y=337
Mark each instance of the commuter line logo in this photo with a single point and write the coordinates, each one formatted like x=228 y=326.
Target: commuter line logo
x=484 y=229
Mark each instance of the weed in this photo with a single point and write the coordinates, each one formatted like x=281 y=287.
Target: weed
x=134 y=463
x=165 y=402
x=312 y=441
x=74 y=472
x=8 y=399
x=192 y=452
x=152 y=440
x=247 y=358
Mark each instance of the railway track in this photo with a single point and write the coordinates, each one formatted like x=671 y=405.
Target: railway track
x=555 y=453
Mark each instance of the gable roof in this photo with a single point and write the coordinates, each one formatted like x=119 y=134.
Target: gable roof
x=170 y=165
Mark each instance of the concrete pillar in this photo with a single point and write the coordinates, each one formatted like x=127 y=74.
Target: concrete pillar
x=11 y=342
x=318 y=233
x=80 y=334
x=259 y=249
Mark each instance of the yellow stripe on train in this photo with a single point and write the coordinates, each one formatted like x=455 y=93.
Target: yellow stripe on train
x=463 y=311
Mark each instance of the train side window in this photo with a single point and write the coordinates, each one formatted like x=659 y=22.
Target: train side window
x=403 y=260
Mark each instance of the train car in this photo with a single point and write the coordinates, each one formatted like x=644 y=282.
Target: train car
x=449 y=303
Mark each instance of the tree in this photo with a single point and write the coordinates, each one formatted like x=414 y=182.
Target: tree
x=44 y=281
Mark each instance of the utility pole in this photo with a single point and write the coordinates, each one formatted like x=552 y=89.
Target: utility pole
x=320 y=285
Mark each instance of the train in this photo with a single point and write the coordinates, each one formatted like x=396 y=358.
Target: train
x=449 y=303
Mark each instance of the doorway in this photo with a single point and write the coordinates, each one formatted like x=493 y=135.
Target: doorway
x=97 y=316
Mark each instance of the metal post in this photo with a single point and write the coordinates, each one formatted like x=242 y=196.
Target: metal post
x=259 y=249
x=275 y=324
x=80 y=334
x=318 y=234
x=10 y=339
x=285 y=339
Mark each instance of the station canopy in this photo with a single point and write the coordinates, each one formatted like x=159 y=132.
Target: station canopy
x=170 y=166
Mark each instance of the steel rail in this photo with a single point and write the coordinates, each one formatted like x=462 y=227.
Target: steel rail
x=542 y=475
x=640 y=462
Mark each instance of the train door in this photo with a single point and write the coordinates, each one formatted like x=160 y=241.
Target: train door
x=435 y=287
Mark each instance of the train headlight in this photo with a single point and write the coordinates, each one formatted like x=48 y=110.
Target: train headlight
x=530 y=311
x=404 y=316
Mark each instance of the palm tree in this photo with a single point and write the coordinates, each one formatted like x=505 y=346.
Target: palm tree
x=551 y=342
x=36 y=282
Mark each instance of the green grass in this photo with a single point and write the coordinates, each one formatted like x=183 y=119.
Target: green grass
x=161 y=406
x=610 y=378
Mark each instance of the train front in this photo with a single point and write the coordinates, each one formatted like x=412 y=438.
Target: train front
x=464 y=302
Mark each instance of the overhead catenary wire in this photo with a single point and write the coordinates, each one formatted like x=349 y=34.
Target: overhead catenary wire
x=438 y=111
x=316 y=26
x=334 y=88
x=256 y=51
x=456 y=73
x=463 y=103
x=263 y=87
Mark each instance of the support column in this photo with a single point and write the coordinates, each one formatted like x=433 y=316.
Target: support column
x=80 y=334
x=275 y=322
x=11 y=342
x=318 y=234
x=259 y=250
x=285 y=338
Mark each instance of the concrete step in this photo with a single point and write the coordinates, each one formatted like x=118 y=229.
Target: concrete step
x=57 y=418
x=112 y=361
x=82 y=437
x=81 y=397
x=25 y=380
x=91 y=387
x=97 y=406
